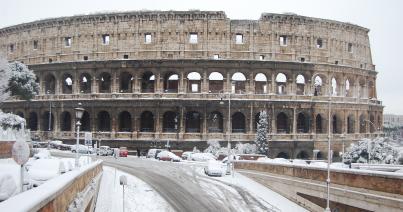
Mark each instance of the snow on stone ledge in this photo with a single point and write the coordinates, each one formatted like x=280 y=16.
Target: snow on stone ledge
x=36 y=198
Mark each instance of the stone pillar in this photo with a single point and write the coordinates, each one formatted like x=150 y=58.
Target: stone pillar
x=94 y=85
x=294 y=121
x=227 y=84
x=158 y=88
x=205 y=82
x=273 y=122
x=273 y=84
x=115 y=82
x=251 y=86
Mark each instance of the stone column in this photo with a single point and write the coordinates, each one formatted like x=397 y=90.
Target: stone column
x=273 y=84
x=251 y=87
x=205 y=82
x=94 y=85
x=294 y=121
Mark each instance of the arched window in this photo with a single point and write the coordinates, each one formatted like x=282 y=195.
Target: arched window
x=105 y=83
x=33 y=121
x=336 y=124
x=319 y=124
x=85 y=83
x=334 y=87
x=65 y=124
x=126 y=80
x=193 y=121
x=350 y=124
x=282 y=123
x=50 y=84
x=283 y=155
x=215 y=122
x=47 y=123
x=171 y=83
x=104 y=121
x=300 y=84
x=85 y=122
x=318 y=83
x=147 y=82
x=347 y=88
x=216 y=82
x=67 y=87
x=260 y=83
x=303 y=155
x=363 y=124
x=170 y=122
x=302 y=123
x=281 y=81
x=125 y=122
x=238 y=83
x=147 y=122
x=194 y=82
x=238 y=123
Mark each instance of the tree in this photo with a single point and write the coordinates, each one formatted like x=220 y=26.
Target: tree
x=22 y=81
x=4 y=79
x=261 y=135
x=379 y=152
x=213 y=148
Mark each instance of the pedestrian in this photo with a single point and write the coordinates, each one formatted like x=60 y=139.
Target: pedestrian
x=138 y=153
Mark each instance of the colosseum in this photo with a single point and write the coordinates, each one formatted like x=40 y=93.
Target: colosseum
x=148 y=77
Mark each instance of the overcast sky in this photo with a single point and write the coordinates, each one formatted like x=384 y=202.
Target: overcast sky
x=383 y=18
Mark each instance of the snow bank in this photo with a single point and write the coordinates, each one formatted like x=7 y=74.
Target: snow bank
x=202 y=156
x=8 y=187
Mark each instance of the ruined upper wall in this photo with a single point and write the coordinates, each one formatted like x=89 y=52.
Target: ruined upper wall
x=45 y=40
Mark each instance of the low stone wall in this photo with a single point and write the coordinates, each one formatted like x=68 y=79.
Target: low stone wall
x=5 y=148
x=383 y=182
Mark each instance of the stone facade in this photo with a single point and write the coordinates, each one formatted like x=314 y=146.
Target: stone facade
x=148 y=77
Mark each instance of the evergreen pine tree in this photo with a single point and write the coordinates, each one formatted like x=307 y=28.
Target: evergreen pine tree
x=262 y=145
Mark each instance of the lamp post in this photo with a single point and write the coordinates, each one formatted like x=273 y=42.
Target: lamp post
x=79 y=113
x=328 y=150
x=343 y=138
x=228 y=128
x=50 y=116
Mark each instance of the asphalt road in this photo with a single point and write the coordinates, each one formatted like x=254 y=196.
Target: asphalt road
x=185 y=187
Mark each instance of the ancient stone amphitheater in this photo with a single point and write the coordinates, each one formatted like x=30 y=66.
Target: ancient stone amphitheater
x=148 y=77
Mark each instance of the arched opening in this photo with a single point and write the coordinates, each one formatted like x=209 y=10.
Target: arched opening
x=319 y=156
x=371 y=90
x=105 y=83
x=281 y=81
x=67 y=87
x=334 y=87
x=318 y=83
x=65 y=124
x=20 y=114
x=300 y=84
x=126 y=80
x=194 y=82
x=147 y=82
x=47 y=123
x=361 y=90
x=147 y=122
x=33 y=121
x=348 y=88
x=193 y=121
x=85 y=83
x=282 y=123
x=125 y=122
x=170 y=122
x=372 y=123
x=260 y=83
x=336 y=125
x=215 y=122
x=283 y=155
x=319 y=124
x=238 y=123
x=50 y=84
x=171 y=83
x=350 y=124
x=216 y=82
x=302 y=123
x=303 y=155
x=238 y=83
x=363 y=124
x=85 y=122
x=104 y=121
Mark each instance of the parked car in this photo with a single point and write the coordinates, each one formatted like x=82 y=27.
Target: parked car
x=202 y=157
x=168 y=156
x=82 y=149
x=186 y=155
x=105 y=151
x=215 y=168
x=123 y=152
x=152 y=153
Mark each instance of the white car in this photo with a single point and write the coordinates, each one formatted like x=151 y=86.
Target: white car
x=105 y=151
x=152 y=153
x=186 y=155
x=215 y=168
x=202 y=157
x=82 y=149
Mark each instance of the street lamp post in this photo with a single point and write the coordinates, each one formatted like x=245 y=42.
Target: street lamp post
x=328 y=151
x=50 y=117
x=228 y=130
x=79 y=113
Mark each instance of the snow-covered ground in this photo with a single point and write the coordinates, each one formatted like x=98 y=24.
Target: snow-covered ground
x=139 y=196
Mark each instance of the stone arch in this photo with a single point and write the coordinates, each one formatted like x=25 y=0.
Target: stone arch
x=193 y=121
x=238 y=123
x=318 y=85
x=282 y=123
x=349 y=87
x=50 y=84
x=350 y=124
x=302 y=123
x=215 y=122
x=65 y=121
x=85 y=83
x=238 y=84
x=361 y=88
x=47 y=124
x=85 y=122
x=20 y=114
x=171 y=82
x=372 y=123
x=371 y=90
x=148 y=82
x=336 y=124
x=260 y=83
x=147 y=122
x=67 y=86
x=170 y=121
x=104 y=121
x=281 y=81
x=105 y=81
x=283 y=155
x=363 y=124
x=303 y=155
x=126 y=81
x=300 y=81
x=334 y=86
x=194 y=82
x=319 y=124
x=216 y=82
x=125 y=121
x=33 y=121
